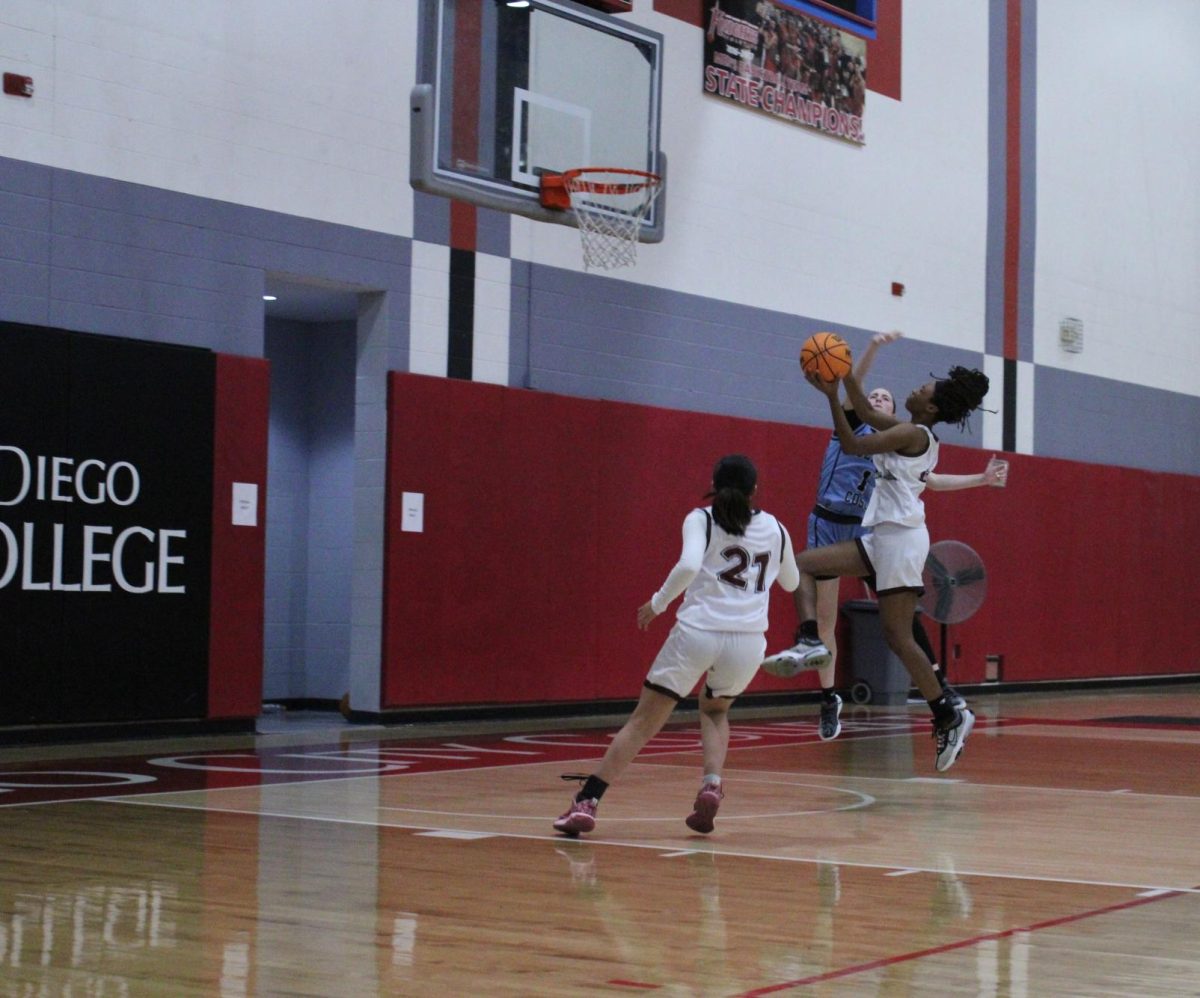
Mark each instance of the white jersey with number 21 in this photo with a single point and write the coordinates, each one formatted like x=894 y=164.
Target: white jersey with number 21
x=726 y=579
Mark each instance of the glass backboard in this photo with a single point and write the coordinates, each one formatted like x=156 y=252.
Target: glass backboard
x=508 y=92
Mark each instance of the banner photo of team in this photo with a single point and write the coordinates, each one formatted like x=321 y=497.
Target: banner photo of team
x=769 y=57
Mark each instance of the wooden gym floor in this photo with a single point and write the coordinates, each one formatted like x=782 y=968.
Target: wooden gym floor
x=1059 y=857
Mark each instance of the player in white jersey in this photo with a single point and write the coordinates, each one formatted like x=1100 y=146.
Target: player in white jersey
x=905 y=454
x=845 y=487
x=731 y=555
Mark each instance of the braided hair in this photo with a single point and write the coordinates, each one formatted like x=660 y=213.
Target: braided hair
x=958 y=395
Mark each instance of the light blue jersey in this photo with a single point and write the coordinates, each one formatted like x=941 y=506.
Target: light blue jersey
x=846 y=480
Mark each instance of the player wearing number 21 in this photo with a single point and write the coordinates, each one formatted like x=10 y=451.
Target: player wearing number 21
x=731 y=555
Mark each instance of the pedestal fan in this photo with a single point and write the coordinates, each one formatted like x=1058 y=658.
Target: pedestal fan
x=955 y=585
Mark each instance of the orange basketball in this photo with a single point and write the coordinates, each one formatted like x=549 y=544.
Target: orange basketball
x=827 y=354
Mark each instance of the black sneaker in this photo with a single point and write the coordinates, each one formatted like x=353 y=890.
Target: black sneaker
x=830 y=726
x=953 y=697
x=952 y=736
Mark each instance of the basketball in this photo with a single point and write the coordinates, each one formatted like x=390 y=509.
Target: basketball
x=826 y=354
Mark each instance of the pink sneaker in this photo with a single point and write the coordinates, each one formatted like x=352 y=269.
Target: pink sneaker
x=579 y=817
x=705 y=809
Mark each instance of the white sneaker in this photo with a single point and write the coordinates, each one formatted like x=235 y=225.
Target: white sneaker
x=950 y=740
x=805 y=654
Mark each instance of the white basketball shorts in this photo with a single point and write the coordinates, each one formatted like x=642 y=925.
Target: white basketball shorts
x=730 y=658
x=896 y=555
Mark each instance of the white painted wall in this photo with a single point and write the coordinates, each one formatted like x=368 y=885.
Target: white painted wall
x=298 y=106
x=301 y=106
x=1118 y=232
x=773 y=215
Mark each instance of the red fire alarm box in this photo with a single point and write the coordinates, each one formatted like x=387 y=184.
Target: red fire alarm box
x=17 y=85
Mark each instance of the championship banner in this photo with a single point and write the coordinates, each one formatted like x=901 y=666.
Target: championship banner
x=106 y=458
x=768 y=56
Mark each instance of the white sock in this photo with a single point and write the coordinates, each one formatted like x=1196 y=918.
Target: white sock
x=711 y=778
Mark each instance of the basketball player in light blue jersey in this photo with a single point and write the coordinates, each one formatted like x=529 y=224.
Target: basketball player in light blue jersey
x=842 y=494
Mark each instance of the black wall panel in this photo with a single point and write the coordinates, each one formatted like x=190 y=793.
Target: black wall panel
x=106 y=452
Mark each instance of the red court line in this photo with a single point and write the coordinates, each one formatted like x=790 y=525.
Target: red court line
x=1093 y=722
x=961 y=944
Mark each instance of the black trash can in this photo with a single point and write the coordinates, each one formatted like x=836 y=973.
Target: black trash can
x=876 y=673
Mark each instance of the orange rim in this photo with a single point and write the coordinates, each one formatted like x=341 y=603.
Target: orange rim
x=576 y=180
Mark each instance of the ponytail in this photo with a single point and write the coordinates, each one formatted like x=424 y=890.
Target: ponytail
x=734 y=480
x=731 y=510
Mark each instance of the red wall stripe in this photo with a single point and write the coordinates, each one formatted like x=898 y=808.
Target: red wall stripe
x=462 y=225
x=238 y=553
x=884 y=61
x=468 y=33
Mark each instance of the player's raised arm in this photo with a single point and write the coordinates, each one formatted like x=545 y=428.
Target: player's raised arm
x=856 y=399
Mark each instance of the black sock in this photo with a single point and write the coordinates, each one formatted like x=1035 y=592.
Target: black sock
x=921 y=637
x=808 y=630
x=943 y=709
x=593 y=789
x=827 y=694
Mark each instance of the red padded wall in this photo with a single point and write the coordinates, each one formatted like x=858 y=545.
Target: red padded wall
x=550 y=519
x=238 y=553
x=1089 y=569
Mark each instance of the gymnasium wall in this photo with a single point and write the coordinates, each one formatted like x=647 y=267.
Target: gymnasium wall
x=300 y=107
x=104 y=256
x=549 y=519
x=1118 y=204
x=176 y=158
x=249 y=107
x=770 y=215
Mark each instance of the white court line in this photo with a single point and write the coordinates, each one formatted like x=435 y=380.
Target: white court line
x=658 y=847
x=964 y=783
x=453 y=833
x=906 y=872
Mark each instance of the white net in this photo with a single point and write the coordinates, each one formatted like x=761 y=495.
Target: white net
x=609 y=206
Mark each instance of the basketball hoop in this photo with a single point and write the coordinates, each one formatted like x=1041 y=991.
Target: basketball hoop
x=609 y=205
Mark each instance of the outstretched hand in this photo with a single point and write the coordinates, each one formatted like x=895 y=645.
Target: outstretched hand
x=996 y=472
x=828 y=388
x=879 y=339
